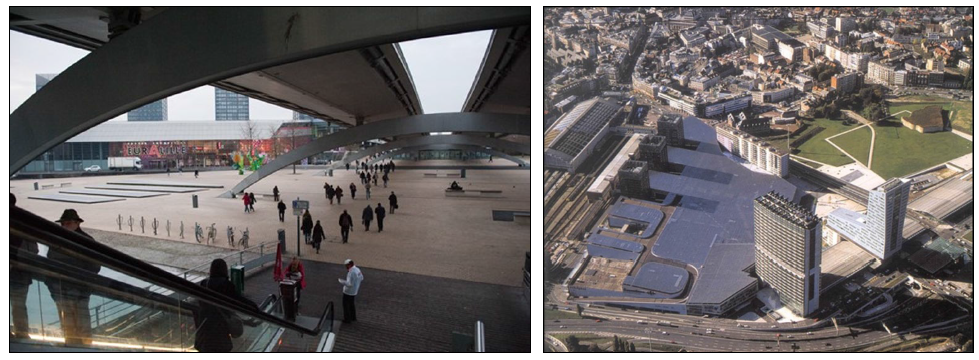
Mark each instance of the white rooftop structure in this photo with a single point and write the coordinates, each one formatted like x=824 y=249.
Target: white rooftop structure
x=123 y=131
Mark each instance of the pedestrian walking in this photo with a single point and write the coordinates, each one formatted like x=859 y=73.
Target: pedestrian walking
x=168 y=170
x=196 y=173
x=353 y=191
x=348 y=166
x=326 y=190
x=339 y=193
x=385 y=178
x=366 y=217
x=72 y=299
x=282 y=211
x=251 y=202
x=330 y=193
x=307 y=226
x=215 y=325
x=346 y=222
x=368 y=189
x=379 y=214
x=275 y=193
x=351 y=286
x=361 y=174
x=246 y=200
x=393 y=202
x=375 y=178
x=318 y=236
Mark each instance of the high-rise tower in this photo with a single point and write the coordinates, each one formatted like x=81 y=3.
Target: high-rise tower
x=788 y=251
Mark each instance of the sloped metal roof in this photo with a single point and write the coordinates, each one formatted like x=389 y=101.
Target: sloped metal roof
x=126 y=131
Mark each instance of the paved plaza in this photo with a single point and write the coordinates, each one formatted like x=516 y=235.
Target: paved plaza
x=430 y=234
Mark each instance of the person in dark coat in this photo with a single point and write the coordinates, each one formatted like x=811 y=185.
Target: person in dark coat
x=196 y=173
x=353 y=191
x=318 y=236
x=379 y=214
x=72 y=299
x=20 y=282
x=348 y=166
x=214 y=333
x=275 y=193
x=367 y=217
x=251 y=201
x=375 y=178
x=339 y=193
x=307 y=226
x=362 y=175
x=385 y=178
x=393 y=202
x=330 y=193
x=282 y=211
x=346 y=222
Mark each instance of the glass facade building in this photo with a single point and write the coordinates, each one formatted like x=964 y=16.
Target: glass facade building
x=230 y=106
x=155 y=111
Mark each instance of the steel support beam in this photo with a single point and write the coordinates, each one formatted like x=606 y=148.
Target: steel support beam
x=490 y=151
x=184 y=48
x=418 y=124
x=422 y=141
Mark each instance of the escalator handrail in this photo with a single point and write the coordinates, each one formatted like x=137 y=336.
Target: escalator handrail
x=32 y=227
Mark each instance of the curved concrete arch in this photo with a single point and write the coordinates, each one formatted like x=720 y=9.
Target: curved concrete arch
x=418 y=124
x=456 y=139
x=466 y=147
x=184 y=48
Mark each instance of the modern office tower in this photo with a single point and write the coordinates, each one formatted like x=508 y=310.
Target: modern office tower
x=671 y=126
x=652 y=150
x=634 y=179
x=155 y=111
x=788 y=251
x=42 y=79
x=880 y=231
x=230 y=106
x=886 y=208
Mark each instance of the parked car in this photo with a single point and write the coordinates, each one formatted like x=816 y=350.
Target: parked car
x=93 y=168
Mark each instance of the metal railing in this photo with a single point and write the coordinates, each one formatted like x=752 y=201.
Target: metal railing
x=266 y=253
x=31 y=227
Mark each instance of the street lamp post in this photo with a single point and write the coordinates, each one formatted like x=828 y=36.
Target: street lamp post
x=649 y=340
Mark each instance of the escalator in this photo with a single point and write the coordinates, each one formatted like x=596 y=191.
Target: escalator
x=69 y=305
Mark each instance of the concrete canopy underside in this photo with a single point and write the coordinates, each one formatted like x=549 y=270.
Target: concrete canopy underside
x=422 y=141
x=413 y=149
x=418 y=124
x=502 y=84
x=184 y=48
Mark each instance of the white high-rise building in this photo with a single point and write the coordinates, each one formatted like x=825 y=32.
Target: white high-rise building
x=880 y=231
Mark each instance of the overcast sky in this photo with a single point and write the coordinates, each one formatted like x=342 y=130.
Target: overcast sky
x=442 y=68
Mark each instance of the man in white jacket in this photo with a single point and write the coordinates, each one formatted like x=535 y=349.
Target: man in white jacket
x=351 y=286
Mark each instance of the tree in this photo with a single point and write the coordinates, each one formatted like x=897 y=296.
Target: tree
x=573 y=343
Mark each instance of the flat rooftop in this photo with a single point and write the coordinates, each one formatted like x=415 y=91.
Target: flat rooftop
x=840 y=262
x=714 y=198
x=945 y=199
x=723 y=274
x=660 y=278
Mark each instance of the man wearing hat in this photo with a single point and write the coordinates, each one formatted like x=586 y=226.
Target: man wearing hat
x=350 y=288
x=70 y=297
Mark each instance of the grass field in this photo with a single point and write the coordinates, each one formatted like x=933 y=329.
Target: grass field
x=818 y=149
x=961 y=111
x=557 y=314
x=856 y=143
x=968 y=236
x=900 y=151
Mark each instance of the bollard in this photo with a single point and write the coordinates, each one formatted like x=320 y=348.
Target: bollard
x=282 y=239
x=181 y=229
x=194 y=199
x=130 y=223
x=155 y=224
x=36 y=187
x=331 y=172
x=119 y=222
x=142 y=224
x=168 y=227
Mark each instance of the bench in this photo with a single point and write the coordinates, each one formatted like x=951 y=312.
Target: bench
x=518 y=216
x=473 y=193
x=67 y=184
x=435 y=175
x=47 y=186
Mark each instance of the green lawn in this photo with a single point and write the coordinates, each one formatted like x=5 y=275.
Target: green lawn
x=900 y=151
x=818 y=149
x=557 y=314
x=856 y=143
x=968 y=236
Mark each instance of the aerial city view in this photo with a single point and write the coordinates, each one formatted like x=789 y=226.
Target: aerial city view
x=270 y=179
x=785 y=179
